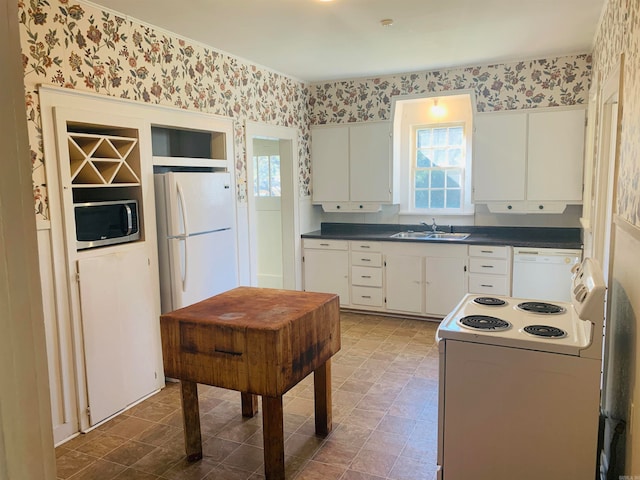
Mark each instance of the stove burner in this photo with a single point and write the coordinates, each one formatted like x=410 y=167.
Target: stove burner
x=545 y=331
x=484 y=322
x=541 y=307
x=489 y=301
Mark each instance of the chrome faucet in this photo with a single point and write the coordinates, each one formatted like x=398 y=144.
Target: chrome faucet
x=434 y=227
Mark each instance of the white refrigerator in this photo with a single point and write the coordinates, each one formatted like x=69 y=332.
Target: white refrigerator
x=196 y=236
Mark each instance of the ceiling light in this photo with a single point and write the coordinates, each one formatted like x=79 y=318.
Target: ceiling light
x=386 y=22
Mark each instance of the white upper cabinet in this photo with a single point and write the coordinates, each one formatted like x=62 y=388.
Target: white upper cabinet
x=556 y=155
x=351 y=166
x=529 y=162
x=499 y=157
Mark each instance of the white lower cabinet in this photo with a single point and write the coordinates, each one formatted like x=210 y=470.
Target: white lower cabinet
x=326 y=267
x=366 y=275
x=404 y=274
x=445 y=280
x=424 y=279
x=490 y=270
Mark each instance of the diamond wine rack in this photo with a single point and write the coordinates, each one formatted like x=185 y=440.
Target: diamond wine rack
x=103 y=160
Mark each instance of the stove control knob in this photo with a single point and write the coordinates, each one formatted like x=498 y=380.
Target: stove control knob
x=575 y=268
x=580 y=292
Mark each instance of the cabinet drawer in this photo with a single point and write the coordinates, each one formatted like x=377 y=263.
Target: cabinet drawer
x=369 y=296
x=496 y=266
x=325 y=244
x=366 y=246
x=487 y=251
x=371 y=277
x=488 y=284
x=366 y=259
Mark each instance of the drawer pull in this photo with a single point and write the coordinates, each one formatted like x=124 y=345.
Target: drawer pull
x=324 y=244
x=365 y=246
x=485 y=285
x=486 y=251
x=365 y=296
x=486 y=266
x=365 y=259
x=227 y=352
x=365 y=276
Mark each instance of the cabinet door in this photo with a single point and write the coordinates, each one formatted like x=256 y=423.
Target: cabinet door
x=404 y=283
x=327 y=271
x=556 y=155
x=330 y=164
x=499 y=157
x=445 y=284
x=370 y=162
x=118 y=302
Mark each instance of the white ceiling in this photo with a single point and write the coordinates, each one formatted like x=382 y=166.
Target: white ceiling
x=313 y=40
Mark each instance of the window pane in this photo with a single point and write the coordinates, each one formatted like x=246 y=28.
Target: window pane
x=437 y=198
x=255 y=176
x=453 y=178
x=440 y=137
x=456 y=136
x=263 y=176
x=422 y=179
x=422 y=199
x=275 y=176
x=423 y=159
x=453 y=199
x=424 y=138
x=440 y=157
x=437 y=179
x=455 y=157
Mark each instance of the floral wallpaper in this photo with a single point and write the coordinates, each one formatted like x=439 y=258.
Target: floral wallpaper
x=75 y=45
x=619 y=34
x=509 y=86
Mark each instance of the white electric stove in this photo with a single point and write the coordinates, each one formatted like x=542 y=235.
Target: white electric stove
x=519 y=385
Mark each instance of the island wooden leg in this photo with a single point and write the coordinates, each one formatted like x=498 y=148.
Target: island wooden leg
x=249 y=404
x=322 y=398
x=273 y=436
x=191 y=417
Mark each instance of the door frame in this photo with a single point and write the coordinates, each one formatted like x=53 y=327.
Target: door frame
x=607 y=167
x=291 y=245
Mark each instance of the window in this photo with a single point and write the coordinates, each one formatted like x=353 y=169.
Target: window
x=266 y=176
x=432 y=142
x=438 y=167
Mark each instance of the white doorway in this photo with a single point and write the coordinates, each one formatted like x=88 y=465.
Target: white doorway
x=272 y=193
x=606 y=171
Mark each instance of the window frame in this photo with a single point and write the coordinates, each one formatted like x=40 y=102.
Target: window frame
x=466 y=207
x=256 y=176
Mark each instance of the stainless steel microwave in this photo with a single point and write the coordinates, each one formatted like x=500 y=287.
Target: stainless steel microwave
x=106 y=223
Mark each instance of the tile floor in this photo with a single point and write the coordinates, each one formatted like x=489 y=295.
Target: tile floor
x=384 y=420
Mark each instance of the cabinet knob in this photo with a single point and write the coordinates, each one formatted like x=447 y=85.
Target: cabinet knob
x=509 y=207
x=361 y=206
x=540 y=207
x=337 y=207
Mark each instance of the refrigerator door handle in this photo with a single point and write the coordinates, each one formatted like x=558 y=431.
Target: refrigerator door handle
x=183 y=210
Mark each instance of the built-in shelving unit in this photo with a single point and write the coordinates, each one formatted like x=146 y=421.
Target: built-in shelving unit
x=173 y=146
x=103 y=160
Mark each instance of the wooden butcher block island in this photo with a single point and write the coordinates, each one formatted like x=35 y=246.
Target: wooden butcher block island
x=258 y=341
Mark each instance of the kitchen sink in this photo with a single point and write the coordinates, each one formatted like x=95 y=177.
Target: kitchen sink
x=448 y=236
x=430 y=235
x=411 y=234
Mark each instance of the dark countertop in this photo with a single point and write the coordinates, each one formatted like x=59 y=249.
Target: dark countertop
x=535 y=237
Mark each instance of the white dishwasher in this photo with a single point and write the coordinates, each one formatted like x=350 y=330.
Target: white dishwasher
x=543 y=273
